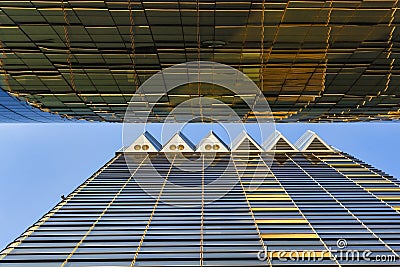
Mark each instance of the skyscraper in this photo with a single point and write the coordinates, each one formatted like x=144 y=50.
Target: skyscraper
x=254 y=205
x=13 y=109
x=329 y=60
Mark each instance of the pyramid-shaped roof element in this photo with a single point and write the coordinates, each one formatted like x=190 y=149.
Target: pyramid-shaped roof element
x=311 y=142
x=144 y=143
x=211 y=143
x=178 y=143
x=278 y=142
x=245 y=143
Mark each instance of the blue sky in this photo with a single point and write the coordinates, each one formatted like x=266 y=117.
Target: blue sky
x=41 y=162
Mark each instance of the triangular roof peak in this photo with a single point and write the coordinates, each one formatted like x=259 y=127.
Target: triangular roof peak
x=244 y=142
x=178 y=143
x=211 y=143
x=311 y=142
x=278 y=142
x=144 y=143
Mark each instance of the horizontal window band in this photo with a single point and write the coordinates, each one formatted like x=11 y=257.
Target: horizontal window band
x=289 y=236
x=274 y=209
x=282 y=221
x=266 y=198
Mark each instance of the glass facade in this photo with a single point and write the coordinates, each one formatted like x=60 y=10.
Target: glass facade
x=13 y=109
x=304 y=201
x=330 y=60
